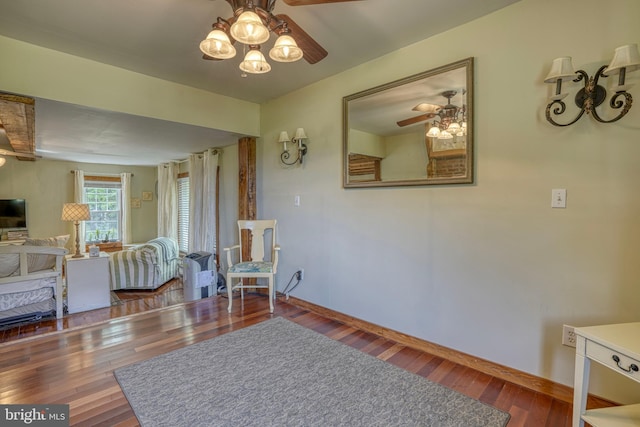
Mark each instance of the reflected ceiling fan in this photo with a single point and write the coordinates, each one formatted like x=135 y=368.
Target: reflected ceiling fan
x=444 y=114
x=251 y=24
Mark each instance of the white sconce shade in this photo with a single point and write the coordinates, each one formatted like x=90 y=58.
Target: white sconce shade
x=255 y=63
x=626 y=57
x=284 y=136
x=218 y=45
x=300 y=134
x=561 y=69
x=2 y=161
x=285 y=50
x=248 y=29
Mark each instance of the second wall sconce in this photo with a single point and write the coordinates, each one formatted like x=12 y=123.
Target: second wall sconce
x=298 y=139
x=625 y=59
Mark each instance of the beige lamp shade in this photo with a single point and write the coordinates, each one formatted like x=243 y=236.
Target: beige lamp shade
x=218 y=45
x=284 y=136
x=561 y=69
x=75 y=212
x=249 y=29
x=285 y=50
x=255 y=63
x=626 y=57
x=300 y=134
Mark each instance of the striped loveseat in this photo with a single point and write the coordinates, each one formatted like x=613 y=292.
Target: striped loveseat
x=146 y=266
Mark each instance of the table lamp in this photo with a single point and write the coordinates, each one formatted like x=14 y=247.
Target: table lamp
x=76 y=212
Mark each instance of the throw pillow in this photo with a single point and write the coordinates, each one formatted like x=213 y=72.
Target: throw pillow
x=9 y=265
x=37 y=262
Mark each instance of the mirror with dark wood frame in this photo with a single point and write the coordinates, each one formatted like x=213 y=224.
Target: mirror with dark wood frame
x=414 y=131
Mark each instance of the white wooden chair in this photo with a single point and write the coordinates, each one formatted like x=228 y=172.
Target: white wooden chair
x=253 y=233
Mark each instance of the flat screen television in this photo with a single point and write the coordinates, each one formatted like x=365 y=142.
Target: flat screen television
x=13 y=213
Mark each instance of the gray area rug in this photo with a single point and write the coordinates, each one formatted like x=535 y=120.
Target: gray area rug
x=278 y=373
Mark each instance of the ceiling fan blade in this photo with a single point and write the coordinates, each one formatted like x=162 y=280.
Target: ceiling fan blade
x=416 y=119
x=313 y=52
x=309 y=2
x=427 y=108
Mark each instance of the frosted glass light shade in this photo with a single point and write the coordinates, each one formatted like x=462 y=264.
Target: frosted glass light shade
x=285 y=50
x=2 y=161
x=624 y=57
x=561 y=69
x=445 y=135
x=218 y=45
x=434 y=132
x=255 y=63
x=249 y=29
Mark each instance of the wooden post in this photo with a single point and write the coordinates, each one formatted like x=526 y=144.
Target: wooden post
x=247 y=187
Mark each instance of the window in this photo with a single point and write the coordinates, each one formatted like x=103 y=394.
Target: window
x=105 y=203
x=183 y=213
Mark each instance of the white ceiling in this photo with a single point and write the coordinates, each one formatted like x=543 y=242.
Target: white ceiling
x=160 y=38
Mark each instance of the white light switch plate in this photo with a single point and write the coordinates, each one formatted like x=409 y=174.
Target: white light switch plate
x=559 y=198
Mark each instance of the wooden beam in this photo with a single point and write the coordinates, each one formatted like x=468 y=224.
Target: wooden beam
x=247 y=187
x=17 y=116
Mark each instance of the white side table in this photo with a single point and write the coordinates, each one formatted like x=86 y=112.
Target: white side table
x=87 y=282
x=618 y=348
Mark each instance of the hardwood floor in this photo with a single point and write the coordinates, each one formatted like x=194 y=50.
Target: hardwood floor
x=75 y=366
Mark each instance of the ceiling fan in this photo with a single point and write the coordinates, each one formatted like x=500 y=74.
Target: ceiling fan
x=445 y=114
x=251 y=24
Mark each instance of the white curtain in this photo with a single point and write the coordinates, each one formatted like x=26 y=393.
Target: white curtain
x=125 y=182
x=202 y=201
x=78 y=197
x=168 y=200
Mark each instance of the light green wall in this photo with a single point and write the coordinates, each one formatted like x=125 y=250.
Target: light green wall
x=45 y=73
x=48 y=184
x=406 y=157
x=488 y=269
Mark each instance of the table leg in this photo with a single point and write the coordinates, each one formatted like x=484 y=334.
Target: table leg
x=580 y=382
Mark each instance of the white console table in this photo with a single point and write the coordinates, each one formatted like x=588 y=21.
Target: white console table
x=87 y=282
x=617 y=347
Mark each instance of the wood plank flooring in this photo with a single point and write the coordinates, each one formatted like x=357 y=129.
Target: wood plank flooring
x=74 y=365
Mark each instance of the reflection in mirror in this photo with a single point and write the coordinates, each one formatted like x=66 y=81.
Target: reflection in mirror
x=413 y=131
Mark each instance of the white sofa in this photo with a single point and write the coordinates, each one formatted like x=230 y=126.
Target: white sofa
x=30 y=282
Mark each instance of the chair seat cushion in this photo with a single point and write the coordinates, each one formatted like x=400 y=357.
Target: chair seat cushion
x=252 y=267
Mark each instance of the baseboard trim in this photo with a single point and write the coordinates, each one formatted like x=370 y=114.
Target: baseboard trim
x=532 y=382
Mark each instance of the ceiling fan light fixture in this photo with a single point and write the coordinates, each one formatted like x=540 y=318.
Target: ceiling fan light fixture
x=2 y=161
x=218 y=45
x=445 y=135
x=434 y=132
x=255 y=63
x=454 y=128
x=285 y=50
x=249 y=29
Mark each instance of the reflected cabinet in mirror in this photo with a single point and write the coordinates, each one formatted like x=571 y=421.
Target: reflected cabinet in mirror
x=413 y=131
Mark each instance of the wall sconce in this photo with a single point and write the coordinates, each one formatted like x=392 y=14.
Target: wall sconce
x=625 y=59
x=297 y=139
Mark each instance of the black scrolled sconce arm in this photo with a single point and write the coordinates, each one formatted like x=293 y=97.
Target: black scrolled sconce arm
x=560 y=106
x=591 y=96
x=286 y=155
